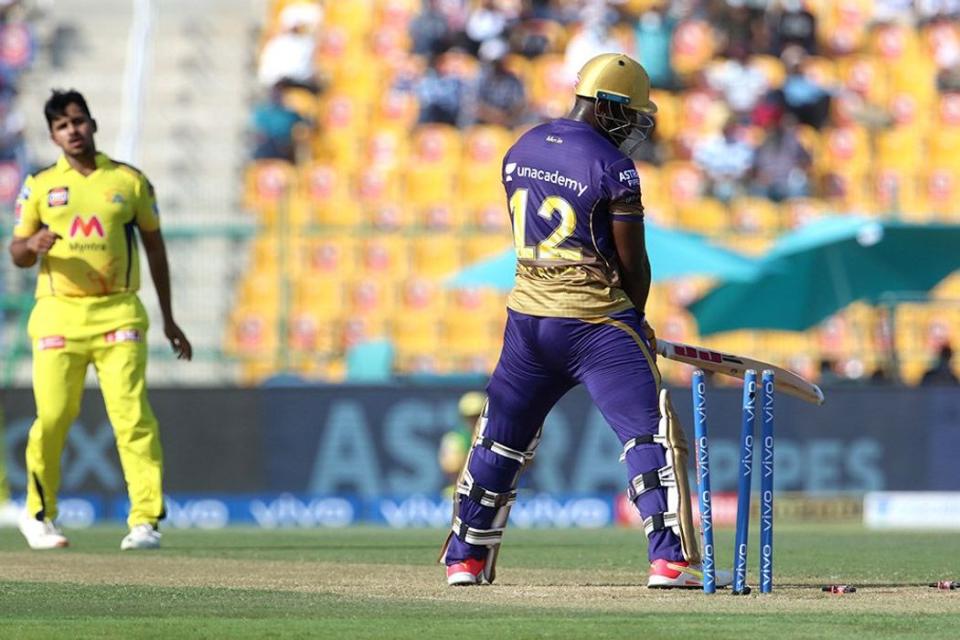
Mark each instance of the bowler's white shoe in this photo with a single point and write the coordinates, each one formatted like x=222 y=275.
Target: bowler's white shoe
x=41 y=534
x=9 y=514
x=141 y=536
x=667 y=574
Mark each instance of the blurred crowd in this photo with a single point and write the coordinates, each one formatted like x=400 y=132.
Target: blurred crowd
x=16 y=54
x=381 y=124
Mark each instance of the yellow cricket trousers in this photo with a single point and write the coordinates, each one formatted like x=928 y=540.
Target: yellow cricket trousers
x=59 y=368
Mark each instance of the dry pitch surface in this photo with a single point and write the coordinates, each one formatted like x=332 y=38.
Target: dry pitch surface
x=381 y=583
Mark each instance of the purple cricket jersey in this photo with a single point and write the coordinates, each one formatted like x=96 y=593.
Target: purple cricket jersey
x=568 y=322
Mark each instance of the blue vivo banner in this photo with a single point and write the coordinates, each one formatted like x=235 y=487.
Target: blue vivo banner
x=381 y=442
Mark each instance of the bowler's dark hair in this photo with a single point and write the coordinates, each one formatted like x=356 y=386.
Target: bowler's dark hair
x=57 y=103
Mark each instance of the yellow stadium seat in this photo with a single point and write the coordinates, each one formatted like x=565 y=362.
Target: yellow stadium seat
x=489 y=215
x=267 y=185
x=692 y=46
x=252 y=331
x=755 y=215
x=895 y=191
x=550 y=91
x=327 y=193
x=384 y=256
x=437 y=144
x=909 y=115
x=916 y=77
x=431 y=184
x=328 y=255
x=476 y=301
x=706 y=216
x=949 y=110
x=323 y=295
x=520 y=67
x=372 y=297
x=308 y=333
x=701 y=113
x=386 y=148
x=420 y=296
x=844 y=149
x=396 y=110
x=436 y=255
x=363 y=328
x=356 y=16
x=682 y=182
x=797 y=212
x=262 y=287
x=358 y=76
x=396 y=13
x=944 y=146
x=668 y=113
x=480 y=246
x=377 y=186
x=771 y=67
x=894 y=42
x=389 y=43
x=485 y=145
x=415 y=335
x=941 y=189
x=848 y=191
x=821 y=70
x=899 y=148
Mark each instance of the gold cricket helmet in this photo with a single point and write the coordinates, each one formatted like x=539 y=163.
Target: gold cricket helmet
x=620 y=88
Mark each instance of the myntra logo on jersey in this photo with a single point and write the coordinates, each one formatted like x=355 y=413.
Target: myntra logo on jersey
x=86 y=227
x=553 y=177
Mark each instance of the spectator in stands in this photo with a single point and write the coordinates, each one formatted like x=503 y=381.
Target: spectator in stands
x=288 y=57
x=741 y=84
x=12 y=125
x=486 y=22
x=941 y=373
x=440 y=92
x=593 y=39
x=499 y=96
x=802 y=95
x=794 y=25
x=430 y=32
x=276 y=128
x=725 y=160
x=781 y=163
x=654 y=32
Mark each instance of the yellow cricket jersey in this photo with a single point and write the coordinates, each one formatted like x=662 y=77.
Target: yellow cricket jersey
x=94 y=216
x=88 y=281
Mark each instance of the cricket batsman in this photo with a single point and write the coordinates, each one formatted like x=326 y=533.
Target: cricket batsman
x=79 y=218
x=576 y=316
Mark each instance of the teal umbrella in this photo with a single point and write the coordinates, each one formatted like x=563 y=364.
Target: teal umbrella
x=673 y=254
x=820 y=269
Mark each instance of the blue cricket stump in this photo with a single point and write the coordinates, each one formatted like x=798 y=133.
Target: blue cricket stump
x=766 y=482
x=703 y=479
x=745 y=471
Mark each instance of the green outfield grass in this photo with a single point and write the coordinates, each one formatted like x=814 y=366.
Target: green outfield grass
x=378 y=583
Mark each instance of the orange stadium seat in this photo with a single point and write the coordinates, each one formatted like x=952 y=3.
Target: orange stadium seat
x=384 y=256
x=436 y=255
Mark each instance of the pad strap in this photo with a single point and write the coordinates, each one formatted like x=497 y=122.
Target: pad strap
x=468 y=487
x=660 y=522
x=479 y=537
x=502 y=450
x=640 y=484
x=647 y=439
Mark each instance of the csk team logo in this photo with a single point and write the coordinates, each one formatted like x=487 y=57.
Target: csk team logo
x=58 y=197
x=86 y=227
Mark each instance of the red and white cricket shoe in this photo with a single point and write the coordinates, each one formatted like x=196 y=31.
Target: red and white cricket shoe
x=465 y=573
x=680 y=574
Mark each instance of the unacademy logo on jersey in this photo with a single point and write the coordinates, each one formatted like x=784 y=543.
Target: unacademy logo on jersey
x=553 y=177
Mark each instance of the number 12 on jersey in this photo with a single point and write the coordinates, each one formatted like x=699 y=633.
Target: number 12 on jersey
x=549 y=248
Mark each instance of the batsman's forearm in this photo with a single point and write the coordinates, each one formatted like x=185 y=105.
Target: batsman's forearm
x=160 y=272
x=636 y=284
